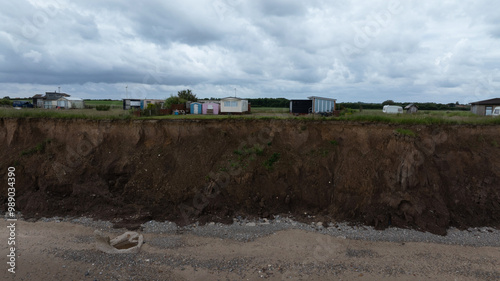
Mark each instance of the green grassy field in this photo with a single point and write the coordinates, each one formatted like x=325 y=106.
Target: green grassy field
x=270 y=110
x=93 y=103
x=375 y=116
x=112 y=103
x=64 y=113
x=422 y=117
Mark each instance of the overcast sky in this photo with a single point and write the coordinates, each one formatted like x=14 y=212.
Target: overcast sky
x=370 y=51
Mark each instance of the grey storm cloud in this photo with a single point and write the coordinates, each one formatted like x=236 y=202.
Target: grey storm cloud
x=351 y=50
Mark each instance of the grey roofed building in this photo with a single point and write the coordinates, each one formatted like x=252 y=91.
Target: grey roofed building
x=411 y=108
x=54 y=95
x=484 y=107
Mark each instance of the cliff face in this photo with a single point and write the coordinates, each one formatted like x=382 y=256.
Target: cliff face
x=424 y=177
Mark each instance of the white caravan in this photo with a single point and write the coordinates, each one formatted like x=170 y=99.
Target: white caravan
x=496 y=111
x=394 y=109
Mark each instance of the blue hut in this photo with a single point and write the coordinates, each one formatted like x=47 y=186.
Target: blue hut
x=196 y=108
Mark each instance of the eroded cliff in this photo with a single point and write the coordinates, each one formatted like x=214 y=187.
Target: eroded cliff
x=423 y=177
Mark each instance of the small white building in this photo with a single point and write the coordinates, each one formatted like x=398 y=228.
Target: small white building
x=233 y=105
x=70 y=102
x=392 y=109
x=322 y=105
x=140 y=103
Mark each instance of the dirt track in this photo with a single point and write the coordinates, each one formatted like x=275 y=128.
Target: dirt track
x=214 y=170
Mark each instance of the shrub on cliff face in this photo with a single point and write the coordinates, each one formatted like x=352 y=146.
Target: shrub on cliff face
x=268 y=164
x=406 y=132
x=40 y=147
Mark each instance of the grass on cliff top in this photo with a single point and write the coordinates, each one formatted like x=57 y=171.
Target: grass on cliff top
x=371 y=116
x=421 y=118
x=64 y=114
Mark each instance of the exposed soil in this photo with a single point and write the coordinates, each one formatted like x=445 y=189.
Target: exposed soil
x=213 y=170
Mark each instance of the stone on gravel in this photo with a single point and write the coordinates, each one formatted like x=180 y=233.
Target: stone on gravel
x=127 y=243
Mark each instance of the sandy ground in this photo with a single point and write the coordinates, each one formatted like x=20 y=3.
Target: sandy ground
x=65 y=251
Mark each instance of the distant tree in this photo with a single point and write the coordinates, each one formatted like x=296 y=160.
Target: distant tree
x=269 y=102
x=359 y=105
x=6 y=101
x=388 y=102
x=174 y=100
x=187 y=95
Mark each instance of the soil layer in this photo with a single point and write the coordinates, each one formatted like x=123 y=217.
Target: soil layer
x=423 y=177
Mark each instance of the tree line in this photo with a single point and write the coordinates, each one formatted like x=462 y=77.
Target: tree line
x=282 y=102
x=420 y=105
x=188 y=95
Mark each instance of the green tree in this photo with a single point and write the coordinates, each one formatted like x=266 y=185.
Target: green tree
x=187 y=95
x=6 y=101
x=174 y=100
x=388 y=102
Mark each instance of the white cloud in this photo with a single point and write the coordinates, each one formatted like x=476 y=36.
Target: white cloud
x=34 y=56
x=430 y=51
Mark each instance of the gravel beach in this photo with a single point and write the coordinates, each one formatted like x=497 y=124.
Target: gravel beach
x=278 y=249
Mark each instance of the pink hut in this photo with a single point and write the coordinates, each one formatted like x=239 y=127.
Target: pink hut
x=210 y=108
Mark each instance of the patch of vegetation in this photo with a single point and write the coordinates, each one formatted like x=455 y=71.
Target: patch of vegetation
x=174 y=100
x=257 y=149
x=187 y=95
x=323 y=152
x=273 y=110
x=280 y=103
x=65 y=114
x=347 y=111
x=111 y=103
x=268 y=117
x=6 y=101
x=422 y=117
x=268 y=164
x=406 y=132
x=334 y=142
x=103 y=107
x=38 y=148
x=494 y=143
